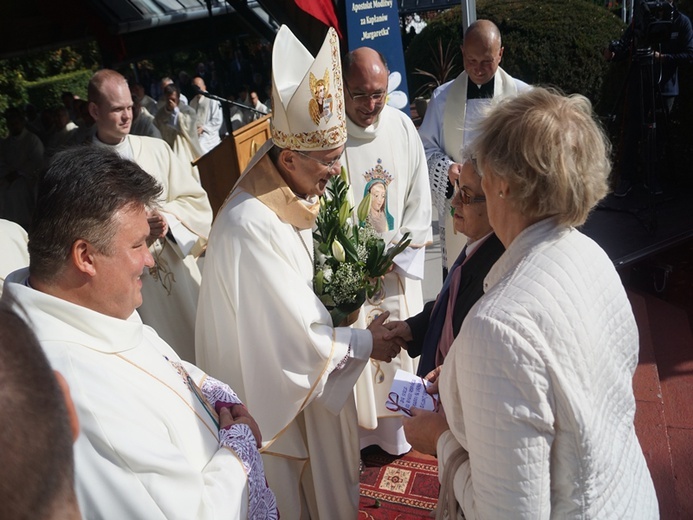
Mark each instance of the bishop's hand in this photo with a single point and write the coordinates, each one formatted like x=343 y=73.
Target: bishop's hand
x=386 y=345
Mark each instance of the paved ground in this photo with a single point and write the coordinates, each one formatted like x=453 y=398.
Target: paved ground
x=433 y=271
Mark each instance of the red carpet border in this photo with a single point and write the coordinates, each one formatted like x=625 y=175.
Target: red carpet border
x=405 y=488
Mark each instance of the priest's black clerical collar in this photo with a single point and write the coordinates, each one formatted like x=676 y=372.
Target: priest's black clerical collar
x=482 y=92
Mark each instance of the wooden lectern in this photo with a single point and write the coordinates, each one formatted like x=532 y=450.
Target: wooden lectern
x=221 y=167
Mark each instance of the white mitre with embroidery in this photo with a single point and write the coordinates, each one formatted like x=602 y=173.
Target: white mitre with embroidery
x=307 y=94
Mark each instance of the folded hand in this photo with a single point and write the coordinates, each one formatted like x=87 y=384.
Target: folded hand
x=238 y=414
x=158 y=227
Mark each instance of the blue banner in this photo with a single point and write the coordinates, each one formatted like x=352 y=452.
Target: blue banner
x=375 y=24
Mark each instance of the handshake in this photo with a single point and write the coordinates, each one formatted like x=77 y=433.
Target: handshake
x=388 y=338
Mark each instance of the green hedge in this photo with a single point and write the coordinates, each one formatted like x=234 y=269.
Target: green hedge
x=548 y=42
x=45 y=93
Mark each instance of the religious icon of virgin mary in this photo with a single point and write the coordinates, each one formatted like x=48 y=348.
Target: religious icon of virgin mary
x=377 y=181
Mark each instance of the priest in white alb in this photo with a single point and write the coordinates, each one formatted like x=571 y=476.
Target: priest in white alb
x=387 y=166
x=180 y=226
x=451 y=118
x=259 y=323
x=159 y=439
x=177 y=122
x=209 y=117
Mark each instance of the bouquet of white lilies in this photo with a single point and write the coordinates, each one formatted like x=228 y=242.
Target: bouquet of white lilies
x=350 y=258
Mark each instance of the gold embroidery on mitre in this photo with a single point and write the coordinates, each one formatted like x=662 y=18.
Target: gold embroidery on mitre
x=325 y=138
x=320 y=104
x=332 y=136
x=339 y=90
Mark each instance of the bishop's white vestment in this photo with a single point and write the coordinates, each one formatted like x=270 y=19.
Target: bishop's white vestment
x=388 y=155
x=148 y=446
x=171 y=288
x=261 y=327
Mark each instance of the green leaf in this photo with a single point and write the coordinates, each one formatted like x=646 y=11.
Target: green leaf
x=349 y=248
x=318 y=282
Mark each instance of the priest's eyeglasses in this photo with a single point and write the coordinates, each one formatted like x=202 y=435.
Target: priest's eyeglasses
x=376 y=97
x=466 y=197
x=329 y=165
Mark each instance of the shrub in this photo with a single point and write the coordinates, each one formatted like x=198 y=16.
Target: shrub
x=552 y=42
x=45 y=93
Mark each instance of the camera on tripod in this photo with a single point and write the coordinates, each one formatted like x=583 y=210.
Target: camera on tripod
x=652 y=24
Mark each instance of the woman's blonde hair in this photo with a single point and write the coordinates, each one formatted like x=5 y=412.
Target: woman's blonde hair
x=550 y=150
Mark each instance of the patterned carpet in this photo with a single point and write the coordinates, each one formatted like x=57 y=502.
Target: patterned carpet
x=402 y=488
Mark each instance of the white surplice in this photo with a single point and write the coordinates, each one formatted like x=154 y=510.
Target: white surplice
x=210 y=118
x=390 y=148
x=170 y=290
x=147 y=448
x=261 y=328
x=450 y=124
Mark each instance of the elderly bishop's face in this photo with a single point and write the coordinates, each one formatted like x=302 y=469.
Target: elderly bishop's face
x=307 y=173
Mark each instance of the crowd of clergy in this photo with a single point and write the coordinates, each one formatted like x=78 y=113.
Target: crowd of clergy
x=192 y=127
x=198 y=375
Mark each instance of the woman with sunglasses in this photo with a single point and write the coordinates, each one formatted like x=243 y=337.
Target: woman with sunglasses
x=431 y=332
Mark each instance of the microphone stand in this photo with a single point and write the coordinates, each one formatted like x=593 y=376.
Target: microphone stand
x=226 y=105
x=228 y=102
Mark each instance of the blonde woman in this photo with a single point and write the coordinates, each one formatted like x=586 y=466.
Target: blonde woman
x=537 y=387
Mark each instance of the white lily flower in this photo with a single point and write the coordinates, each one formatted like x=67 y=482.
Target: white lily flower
x=338 y=251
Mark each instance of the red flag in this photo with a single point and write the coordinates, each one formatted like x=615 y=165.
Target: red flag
x=323 y=10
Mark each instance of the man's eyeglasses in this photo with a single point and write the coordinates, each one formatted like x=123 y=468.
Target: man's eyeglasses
x=466 y=197
x=329 y=165
x=376 y=97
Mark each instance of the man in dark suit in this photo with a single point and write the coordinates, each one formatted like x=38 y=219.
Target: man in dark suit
x=431 y=332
